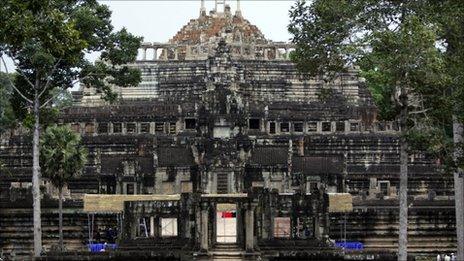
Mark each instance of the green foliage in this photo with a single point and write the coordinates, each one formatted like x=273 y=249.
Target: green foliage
x=49 y=41
x=319 y=30
x=62 y=154
x=7 y=119
x=415 y=45
x=325 y=94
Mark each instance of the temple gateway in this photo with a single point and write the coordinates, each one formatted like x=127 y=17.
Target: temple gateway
x=225 y=150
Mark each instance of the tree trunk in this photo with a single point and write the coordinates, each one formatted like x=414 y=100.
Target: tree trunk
x=458 y=189
x=403 y=195
x=36 y=178
x=60 y=211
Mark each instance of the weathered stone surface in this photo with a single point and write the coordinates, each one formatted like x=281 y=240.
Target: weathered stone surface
x=223 y=117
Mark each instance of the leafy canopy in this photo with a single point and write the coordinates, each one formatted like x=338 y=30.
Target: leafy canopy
x=50 y=42
x=62 y=154
x=7 y=118
x=399 y=45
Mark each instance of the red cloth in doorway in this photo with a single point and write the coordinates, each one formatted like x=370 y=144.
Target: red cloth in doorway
x=228 y=215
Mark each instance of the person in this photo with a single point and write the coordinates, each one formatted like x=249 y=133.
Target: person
x=438 y=257
x=447 y=258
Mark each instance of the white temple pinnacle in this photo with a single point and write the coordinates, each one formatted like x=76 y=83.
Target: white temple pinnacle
x=219 y=2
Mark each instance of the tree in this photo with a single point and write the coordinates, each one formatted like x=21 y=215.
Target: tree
x=397 y=43
x=7 y=118
x=62 y=157
x=48 y=42
x=449 y=16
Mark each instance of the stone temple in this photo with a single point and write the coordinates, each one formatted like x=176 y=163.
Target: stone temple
x=225 y=150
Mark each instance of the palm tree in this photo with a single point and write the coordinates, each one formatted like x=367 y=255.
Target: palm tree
x=62 y=156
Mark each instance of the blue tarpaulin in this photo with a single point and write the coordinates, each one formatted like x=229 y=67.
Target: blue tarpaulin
x=99 y=247
x=350 y=245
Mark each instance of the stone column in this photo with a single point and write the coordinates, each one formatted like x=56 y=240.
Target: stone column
x=155 y=54
x=134 y=227
x=204 y=227
x=176 y=53
x=317 y=229
x=152 y=226
x=249 y=228
x=165 y=54
x=144 y=54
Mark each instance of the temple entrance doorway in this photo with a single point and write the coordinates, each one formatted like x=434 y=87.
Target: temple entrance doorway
x=226 y=223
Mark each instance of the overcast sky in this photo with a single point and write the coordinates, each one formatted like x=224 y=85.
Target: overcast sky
x=158 y=21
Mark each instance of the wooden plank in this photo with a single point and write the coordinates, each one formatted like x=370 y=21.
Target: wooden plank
x=103 y=203
x=340 y=202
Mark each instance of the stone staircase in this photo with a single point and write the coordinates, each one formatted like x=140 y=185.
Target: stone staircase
x=229 y=252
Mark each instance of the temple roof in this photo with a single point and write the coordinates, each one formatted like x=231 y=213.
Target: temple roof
x=216 y=25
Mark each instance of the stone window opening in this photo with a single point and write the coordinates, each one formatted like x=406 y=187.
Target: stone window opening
x=354 y=126
x=312 y=126
x=326 y=126
x=172 y=128
x=102 y=128
x=145 y=127
x=159 y=127
x=384 y=186
x=190 y=124
x=131 y=128
x=340 y=126
x=272 y=127
x=284 y=127
x=254 y=124
x=89 y=128
x=130 y=189
x=169 y=227
x=313 y=187
x=298 y=126
x=76 y=127
x=117 y=127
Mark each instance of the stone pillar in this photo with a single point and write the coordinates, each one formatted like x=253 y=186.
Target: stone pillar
x=176 y=53
x=188 y=51
x=317 y=229
x=152 y=226
x=165 y=53
x=155 y=54
x=249 y=228
x=134 y=227
x=144 y=54
x=276 y=50
x=204 y=227
x=202 y=8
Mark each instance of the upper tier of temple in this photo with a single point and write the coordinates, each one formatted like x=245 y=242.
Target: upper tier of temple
x=198 y=39
x=219 y=25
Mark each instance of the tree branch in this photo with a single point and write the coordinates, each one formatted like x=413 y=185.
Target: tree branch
x=22 y=74
x=419 y=112
x=64 y=89
x=12 y=84
x=49 y=80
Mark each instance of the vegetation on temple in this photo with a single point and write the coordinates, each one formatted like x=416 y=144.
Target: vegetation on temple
x=48 y=42
x=410 y=53
x=61 y=157
x=7 y=118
